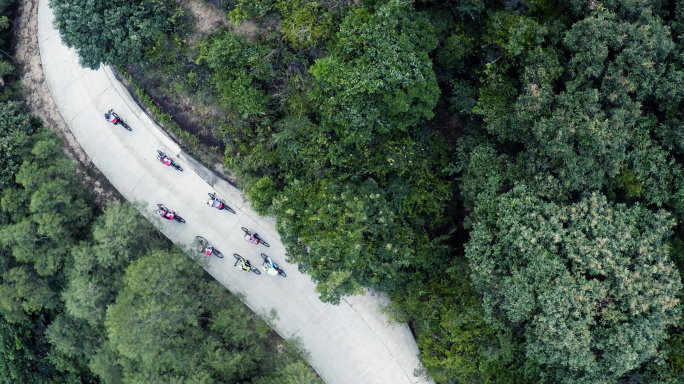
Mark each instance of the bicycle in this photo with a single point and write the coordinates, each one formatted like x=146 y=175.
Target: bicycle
x=245 y=262
x=202 y=246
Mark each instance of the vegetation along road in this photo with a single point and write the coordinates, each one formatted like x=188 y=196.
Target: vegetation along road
x=506 y=175
x=348 y=343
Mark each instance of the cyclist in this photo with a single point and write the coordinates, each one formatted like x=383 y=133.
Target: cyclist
x=244 y=266
x=111 y=117
x=215 y=204
x=209 y=250
x=270 y=268
x=164 y=160
x=166 y=214
x=252 y=238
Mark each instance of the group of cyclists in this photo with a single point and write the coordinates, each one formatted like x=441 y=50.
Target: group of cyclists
x=270 y=267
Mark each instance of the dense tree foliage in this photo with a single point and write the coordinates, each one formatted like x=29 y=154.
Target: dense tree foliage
x=15 y=127
x=237 y=66
x=118 y=32
x=44 y=213
x=43 y=216
x=360 y=194
x=509 y=171
x=22 y=353
x=590 y=284
x=378 y=76
x=10 y=88
x=457 y=342
x=170 y=321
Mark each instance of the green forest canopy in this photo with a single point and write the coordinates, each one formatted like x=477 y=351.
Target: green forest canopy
x=100 y=296
x=509 y=171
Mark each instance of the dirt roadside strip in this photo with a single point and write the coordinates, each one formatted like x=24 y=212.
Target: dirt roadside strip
x=348 y=344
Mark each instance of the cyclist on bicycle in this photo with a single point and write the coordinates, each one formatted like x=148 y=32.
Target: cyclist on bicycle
x=166 y=214
x=111 y=117
x=215 y=204
x=252 y=238
x=244 y=266
x=270 y=268
x=164 y=160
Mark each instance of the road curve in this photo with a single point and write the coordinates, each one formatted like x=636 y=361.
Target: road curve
x=348 y=344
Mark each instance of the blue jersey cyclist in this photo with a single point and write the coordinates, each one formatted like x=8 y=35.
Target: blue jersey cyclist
x=111 y=117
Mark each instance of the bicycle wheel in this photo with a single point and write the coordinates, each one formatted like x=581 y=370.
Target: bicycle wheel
x=126 y=126
x=161 y=206
x=227 y=208
x=264 y=257
x=212 y=196
x=247 y=231
x=160 y=153
x=255 y=270
x=180 y=219
x=217 y=254
x=238 y=257
x=264 y=243
x=281 y=273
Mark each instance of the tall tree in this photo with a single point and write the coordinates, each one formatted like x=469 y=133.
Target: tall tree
x=44 y=214
x=119 y=236
x=15 y=126
x=172 y=322
x=114 y=32
x=590 y=283
x=378 y=76
x=239 y=71
x=361 y=199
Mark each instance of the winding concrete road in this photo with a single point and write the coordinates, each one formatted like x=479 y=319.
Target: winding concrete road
x=348 y=344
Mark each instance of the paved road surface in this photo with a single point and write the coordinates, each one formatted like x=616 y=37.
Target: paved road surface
x=349 y=343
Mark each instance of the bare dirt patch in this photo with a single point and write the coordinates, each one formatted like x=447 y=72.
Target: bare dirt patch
x=247 y=28
x=448 y=125
x=39 y=102
x=209 y=18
